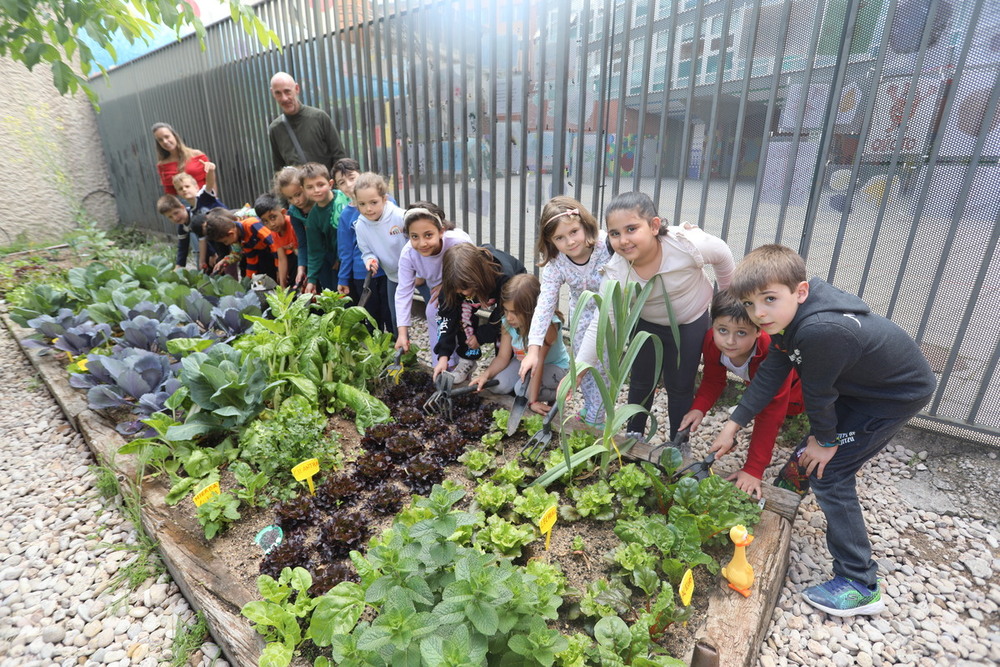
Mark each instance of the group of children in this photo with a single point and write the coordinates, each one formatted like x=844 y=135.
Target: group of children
x=805 y=345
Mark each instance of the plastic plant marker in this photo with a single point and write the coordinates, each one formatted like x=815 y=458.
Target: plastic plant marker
x=207 y=494
x=305 y=471
x=269 y=538
x=546 y=523
x=686 y=589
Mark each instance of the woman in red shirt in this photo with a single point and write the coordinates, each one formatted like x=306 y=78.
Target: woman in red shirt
x=171 y=153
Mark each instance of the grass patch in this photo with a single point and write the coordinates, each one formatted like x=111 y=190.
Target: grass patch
x=188 y=638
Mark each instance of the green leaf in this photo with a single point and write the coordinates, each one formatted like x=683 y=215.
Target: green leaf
x=336 y=613
x=275 y=655
x=483 y=617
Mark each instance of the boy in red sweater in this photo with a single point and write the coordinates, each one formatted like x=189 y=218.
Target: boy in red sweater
x=735 y=344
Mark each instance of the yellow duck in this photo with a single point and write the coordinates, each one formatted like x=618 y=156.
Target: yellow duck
x=738 y=572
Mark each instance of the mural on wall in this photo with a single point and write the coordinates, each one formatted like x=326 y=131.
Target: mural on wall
x=890 y=107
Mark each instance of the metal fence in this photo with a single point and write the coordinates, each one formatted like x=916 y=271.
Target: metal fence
x=860 y=132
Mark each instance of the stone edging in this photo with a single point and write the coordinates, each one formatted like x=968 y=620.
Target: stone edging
x=735 y=626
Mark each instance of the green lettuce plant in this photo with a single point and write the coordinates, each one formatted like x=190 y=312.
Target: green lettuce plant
x=533 y=502
x=594 y=500
x=493 y=497
x=503 y=536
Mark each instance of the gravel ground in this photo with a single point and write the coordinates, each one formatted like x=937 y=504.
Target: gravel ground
x=58 y=547
x=937 y=548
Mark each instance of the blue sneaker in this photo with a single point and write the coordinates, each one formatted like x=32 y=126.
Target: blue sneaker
x=845 y=597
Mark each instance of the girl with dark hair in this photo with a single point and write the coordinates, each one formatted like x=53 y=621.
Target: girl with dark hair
x=647 y=250
x=471 y=279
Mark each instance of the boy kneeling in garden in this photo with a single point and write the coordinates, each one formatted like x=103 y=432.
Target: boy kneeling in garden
x=257 y=244
x=863 y=378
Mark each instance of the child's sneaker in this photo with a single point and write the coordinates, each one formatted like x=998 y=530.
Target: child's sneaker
x=463 y=370
x=580 y=421
x=845 y=597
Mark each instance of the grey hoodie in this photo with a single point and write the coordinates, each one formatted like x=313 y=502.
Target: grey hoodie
x=845 y=354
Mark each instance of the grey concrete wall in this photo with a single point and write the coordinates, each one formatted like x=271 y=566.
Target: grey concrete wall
x=53 y=165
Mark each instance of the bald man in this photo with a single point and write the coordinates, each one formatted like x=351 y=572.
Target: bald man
x=318 y=139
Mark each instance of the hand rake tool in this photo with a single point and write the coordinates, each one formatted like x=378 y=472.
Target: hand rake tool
x=541 y=440
x=441 y=403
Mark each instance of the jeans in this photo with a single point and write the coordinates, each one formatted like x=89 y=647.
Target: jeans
x=861 y=437
x=678 y=379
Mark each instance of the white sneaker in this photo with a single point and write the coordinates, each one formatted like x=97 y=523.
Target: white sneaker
x=463 y=370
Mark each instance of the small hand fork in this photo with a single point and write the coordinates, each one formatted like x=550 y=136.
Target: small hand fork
x=437 y=403
x=541 y=440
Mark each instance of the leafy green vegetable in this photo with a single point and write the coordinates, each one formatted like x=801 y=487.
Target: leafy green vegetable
x=510 y=473
x=494 y=497
x=217 y=513
x=594 y=500
x=504 y=537
x=477 y=461
x=533 y=502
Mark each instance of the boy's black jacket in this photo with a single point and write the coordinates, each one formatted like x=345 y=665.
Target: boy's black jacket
x=846 y=354
x=449 y=317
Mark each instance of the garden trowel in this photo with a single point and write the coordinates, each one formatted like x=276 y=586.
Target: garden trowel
x=520 y=403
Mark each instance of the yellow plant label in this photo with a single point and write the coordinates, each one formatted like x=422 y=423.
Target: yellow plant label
x=548 y=520
x=207 y=494
x=305 y=471
x=687 y=588
x=546 y=523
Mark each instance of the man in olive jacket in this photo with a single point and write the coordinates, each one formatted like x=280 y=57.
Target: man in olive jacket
x=318 y=139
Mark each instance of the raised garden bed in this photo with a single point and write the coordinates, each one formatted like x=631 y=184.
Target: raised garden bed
x=734 y=626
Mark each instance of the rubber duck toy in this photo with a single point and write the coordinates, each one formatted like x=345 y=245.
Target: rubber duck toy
x=738 y=572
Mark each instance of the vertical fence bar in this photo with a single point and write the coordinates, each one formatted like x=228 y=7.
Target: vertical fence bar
x=378 y=25
x=931 y=166
x=453 y=175
x=560 y=116
x=810 y=67
x=583 y=49
x=526 y=64
x=404 y=94
x=647 y=56
x=977 y=287
x=479 y=126
x=989 y=115
x=509 y=111
x=876 y=75
x=833 y=105
x=542 y=114
x=987 y=376
x=413 y=100
x=665 y=113
x=437 y=88
x=717 y=93
x=621 y=108
x=490 y=113
x=607 y=54
x=686 y=136
x=740 y=120
x=779 y=58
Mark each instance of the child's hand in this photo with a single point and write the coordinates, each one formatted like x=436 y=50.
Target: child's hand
x=479 y=381
x=724 y=442
x=538 y=407
x=220 y=265
x=746 y=482
x=434 y=294
x=692 y=420
x=441 y=366
x=343 y=290
x=418 y=281
x=372 y=265
x=402 y=341
x=310 y=288
x=300 y=276
x=472 y=343
x=815 y=457
x=529 y=362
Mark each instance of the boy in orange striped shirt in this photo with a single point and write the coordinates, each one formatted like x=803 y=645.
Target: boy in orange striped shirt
x=256 y=241
x=275 y=217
